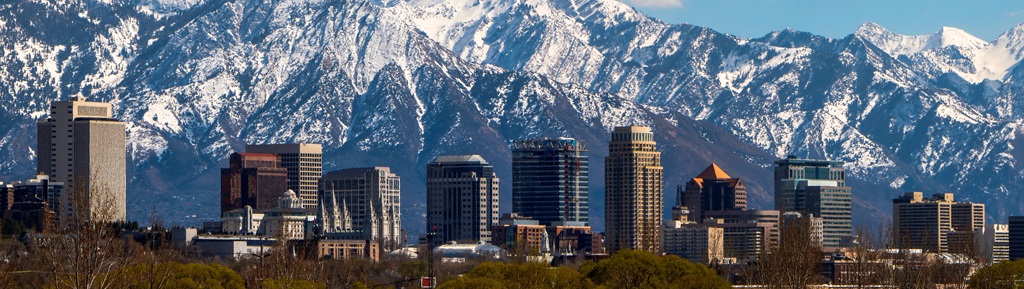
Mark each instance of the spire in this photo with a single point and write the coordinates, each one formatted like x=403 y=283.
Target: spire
x=334 y=212
x=345 y=221
x=713 y=172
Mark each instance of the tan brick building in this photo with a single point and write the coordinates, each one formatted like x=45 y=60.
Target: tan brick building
x=633 y=191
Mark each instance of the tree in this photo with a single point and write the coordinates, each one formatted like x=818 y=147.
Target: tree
x=519 y=275
x=178 y=275
x=795 y=263
x=1003 y=275
x=639 y=269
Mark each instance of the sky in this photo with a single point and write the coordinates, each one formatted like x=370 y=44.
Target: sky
x=986 y=19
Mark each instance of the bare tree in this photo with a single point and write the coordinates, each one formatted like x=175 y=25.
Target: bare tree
x=795 y=263
x=84 y=249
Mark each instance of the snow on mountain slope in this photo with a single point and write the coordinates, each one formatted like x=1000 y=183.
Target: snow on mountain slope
x=398 y=83
x=888 y=104
x=951 y=50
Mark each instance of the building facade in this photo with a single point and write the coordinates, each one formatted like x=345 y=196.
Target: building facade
x=462 y=199
x=1016 y=237
x=364 y=199
x=993 y=242
x=695 y=242
x=633 y=191
x=82 y=145
x=550 y=181
x=712 y=190
x=304 y=163
x=252 y=179
x=926 y=224
x=816 y=187
x=748 y=233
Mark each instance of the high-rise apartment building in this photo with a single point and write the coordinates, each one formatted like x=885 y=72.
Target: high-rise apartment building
x=712 y=190
x=993 y=242
x=252 y=179
x=550 y=181
x=927 y=223
x=462 y=199
x=819 y=188
x=633 y=191
x=1016 y=237
x=82 y=145
x=304 y=163
x=366 y=200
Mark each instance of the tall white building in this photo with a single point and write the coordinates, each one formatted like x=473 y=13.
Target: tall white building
x=993 y=242
x=367 y=200
x=83 y=146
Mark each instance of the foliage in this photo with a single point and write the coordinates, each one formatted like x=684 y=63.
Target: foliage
x=178 y=275
x=1009 y=275
x=291 y=284
x=639 y=269
x=520 y=275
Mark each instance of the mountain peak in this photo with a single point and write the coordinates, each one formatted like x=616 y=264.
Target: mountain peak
x=952 y=36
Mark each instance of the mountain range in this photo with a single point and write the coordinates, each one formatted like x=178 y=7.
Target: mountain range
x=397 y=83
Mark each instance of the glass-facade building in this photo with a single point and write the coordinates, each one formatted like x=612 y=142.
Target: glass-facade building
x=816 y=187
x=550 y=180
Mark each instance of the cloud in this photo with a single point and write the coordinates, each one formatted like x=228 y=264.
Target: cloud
x=1015 y=13
x=656 y=3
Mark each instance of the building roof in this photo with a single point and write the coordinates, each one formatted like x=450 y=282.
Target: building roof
x=351 y=173
x=248 y=154
x=713 y=172
x=461 y=159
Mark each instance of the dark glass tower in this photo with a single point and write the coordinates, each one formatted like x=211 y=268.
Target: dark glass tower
x=550 y=181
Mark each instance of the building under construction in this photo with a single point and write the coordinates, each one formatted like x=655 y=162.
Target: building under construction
x=550 y=181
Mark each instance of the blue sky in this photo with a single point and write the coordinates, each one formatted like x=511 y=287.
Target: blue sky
x=838 y=18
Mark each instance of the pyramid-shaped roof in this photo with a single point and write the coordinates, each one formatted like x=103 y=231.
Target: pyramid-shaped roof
x=713 y=172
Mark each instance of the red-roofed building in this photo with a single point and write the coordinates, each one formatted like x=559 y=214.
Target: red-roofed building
x=713 y=190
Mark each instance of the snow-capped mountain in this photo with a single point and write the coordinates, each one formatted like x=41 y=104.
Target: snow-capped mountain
x=397 y=83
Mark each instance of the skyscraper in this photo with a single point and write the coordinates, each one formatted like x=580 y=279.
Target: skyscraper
x=462 y=199
x=712 y=190
x=83 y=146
x=1016 y=236
x=550 y=181
x=633 y=190
x=304 y=163
x=366 y=199
x=819 y=188
x=927 y=223
x=252 y=179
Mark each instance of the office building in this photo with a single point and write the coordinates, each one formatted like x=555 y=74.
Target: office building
x=521 y=235
x=712 y=190
x=252 y=179
x=926 y=224
x=993 y=242
x=1016 y=237
x=694 y=242
x=367 y=200
x=809 y=227
x=550 y=180
x=6 y=197
x=462 y=199
x=304 y=163
x=633 y=191
x=83 y=146
x=819 y=188
x=748 y=233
